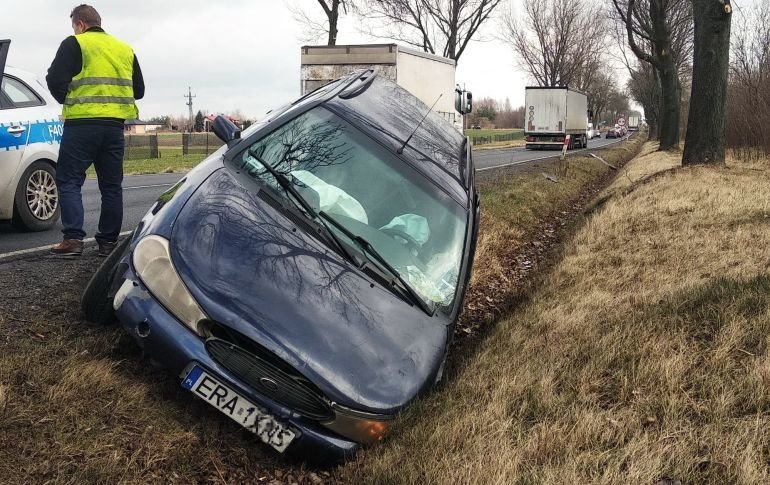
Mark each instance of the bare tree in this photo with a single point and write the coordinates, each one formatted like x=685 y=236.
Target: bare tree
x=705 y=142
x=315 y=26
x=659 y=32
x=555 y=40
x=644 y=87
x=443 y=27
x=599 y=92
x=749 y=83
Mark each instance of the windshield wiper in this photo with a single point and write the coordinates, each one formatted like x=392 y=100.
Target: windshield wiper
x=285 y=183
x=289 y=187
x=367 y=248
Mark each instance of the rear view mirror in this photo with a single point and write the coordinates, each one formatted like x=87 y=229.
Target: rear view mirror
x=226 y=130
x=458 y=100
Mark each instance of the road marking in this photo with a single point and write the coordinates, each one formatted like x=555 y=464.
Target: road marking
x=543 y=158
x=22 y=252
x=147 y=186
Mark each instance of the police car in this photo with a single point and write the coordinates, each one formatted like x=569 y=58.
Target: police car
x=30 y=133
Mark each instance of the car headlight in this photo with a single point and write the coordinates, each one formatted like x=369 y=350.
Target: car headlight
x=152 y=262
x=361 y=427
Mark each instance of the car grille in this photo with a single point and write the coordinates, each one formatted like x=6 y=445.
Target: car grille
x=270 y=376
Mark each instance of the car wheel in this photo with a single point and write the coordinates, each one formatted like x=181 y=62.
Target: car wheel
x=96 y=302
x=36 y=202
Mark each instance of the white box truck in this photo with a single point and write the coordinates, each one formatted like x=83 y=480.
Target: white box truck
x=633 y=123
x=554 y=113
x=424 y=75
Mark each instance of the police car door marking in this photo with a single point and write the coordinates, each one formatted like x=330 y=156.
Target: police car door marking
x=45 y=131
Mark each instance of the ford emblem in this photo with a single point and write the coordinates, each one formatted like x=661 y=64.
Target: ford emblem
x=268 y=383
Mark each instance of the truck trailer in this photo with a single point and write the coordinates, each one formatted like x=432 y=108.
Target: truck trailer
x=426 y=76
x=552 y=114
x=633 y=123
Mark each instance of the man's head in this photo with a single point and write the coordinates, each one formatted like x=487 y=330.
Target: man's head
x=84 y=17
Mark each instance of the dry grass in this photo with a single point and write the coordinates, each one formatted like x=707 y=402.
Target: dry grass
x=522 y=215
x=644 y=356
x=78 y=404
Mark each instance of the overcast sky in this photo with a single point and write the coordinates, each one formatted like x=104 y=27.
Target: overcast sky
x=235 y=54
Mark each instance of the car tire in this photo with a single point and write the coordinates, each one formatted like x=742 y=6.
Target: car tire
x=96 y=302
x=39 y=175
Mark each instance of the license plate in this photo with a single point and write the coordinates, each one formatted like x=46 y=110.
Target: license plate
x=239 y=409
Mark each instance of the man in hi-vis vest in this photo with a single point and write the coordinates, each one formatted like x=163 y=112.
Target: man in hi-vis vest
x=97 y=79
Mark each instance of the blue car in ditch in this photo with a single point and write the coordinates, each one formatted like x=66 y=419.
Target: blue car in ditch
x=306 y=278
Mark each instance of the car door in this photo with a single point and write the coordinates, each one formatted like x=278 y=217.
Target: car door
x=14 y=133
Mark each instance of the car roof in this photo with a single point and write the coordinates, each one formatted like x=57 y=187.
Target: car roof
x=20 y=73
x=383 y=104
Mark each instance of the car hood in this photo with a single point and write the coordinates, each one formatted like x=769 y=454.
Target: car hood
x=252 y=266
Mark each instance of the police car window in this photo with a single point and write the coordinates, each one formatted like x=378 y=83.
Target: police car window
x=20 y=95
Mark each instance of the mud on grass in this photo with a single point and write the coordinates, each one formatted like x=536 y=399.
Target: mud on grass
x=78 y=404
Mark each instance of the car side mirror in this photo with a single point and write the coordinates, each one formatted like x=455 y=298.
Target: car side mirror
x=226 y=130
x=463 y=101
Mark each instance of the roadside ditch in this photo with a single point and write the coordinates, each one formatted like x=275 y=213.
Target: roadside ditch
x=78 y=404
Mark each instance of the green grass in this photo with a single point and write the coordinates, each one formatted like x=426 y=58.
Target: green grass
x=181 y=163
x=489 y=132
x=479 y=137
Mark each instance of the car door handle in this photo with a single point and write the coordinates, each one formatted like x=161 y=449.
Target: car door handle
x=17 y=130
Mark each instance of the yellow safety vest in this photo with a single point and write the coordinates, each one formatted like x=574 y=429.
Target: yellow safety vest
x=104 y=87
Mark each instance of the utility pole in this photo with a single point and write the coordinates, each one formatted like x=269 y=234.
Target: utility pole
x=189 y=104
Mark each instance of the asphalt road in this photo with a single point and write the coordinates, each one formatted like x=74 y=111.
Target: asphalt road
x=140 y=191
x=501 y=157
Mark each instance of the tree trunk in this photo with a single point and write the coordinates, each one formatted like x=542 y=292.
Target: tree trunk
x=652 y=120
x=705 y=142
x=333 y=17
x=671 y=98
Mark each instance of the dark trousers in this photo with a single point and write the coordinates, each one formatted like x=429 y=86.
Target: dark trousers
x=81 y=146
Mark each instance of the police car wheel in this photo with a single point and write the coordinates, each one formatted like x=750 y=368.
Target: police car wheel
x=36 y=203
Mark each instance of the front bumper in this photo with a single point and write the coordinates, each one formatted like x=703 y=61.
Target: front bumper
x=169 y=342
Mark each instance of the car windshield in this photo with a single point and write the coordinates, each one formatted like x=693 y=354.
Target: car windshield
x=415 y=226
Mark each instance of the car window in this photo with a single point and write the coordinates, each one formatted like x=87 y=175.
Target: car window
x=415 y=226
x=20 y=95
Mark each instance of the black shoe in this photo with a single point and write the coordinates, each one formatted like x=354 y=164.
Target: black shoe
x=69 y=247
x=105 y=248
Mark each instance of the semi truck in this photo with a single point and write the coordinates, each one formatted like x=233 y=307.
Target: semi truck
x=633 y=123
x=552 y=113
x=424 y=75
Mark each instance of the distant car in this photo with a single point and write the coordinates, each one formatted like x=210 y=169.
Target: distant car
x=30 y=133
x=612 y=133
x=306 y=278
x=475 y=127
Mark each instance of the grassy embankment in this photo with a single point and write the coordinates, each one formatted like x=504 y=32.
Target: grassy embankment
x=490 y=140
x=78 y=405
x=643 y=358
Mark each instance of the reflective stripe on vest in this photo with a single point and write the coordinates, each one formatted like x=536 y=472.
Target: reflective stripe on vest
x=104 y=87
x=101 y=80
